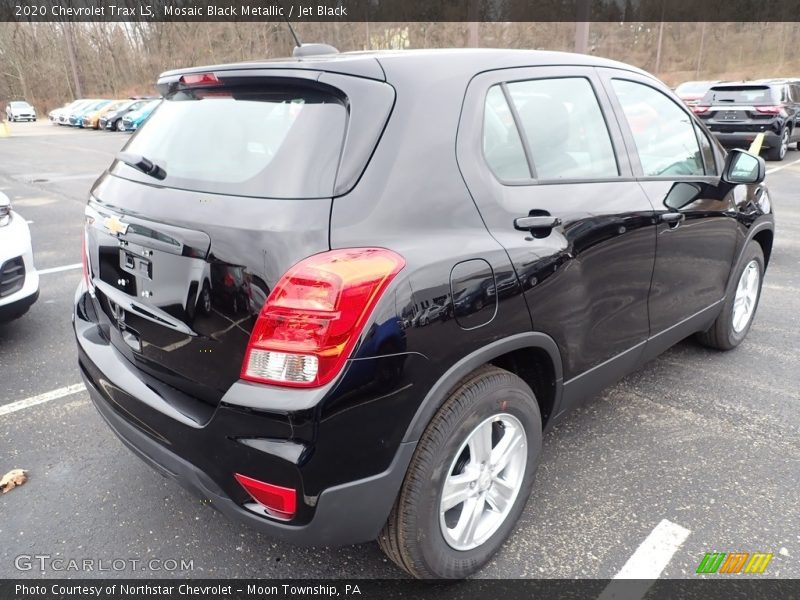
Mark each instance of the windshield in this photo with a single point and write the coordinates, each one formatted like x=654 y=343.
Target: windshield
x=20 y=105
x=116 y=105
x=742 y=94
x=260 y=143
x=134 y=105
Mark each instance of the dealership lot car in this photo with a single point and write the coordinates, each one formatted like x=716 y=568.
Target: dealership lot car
x=20 y=111
x=91 y=120
x=19 y=281
x=112 y=120
x=133 y=119
x=365 y=398
x=56 y=113
x=76 y=118
x=70 y=113
x=737 y=112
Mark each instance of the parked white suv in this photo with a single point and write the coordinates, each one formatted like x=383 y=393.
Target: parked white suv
x=20 y=110
x=19 y=281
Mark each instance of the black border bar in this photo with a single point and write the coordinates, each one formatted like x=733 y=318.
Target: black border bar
x=401 y=10
x=722 y=588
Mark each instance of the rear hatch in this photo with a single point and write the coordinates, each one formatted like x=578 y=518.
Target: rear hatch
x=246 y=166
x=734 y=108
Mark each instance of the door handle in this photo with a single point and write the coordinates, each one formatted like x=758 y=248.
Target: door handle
x=536 y=222
x=673 y=218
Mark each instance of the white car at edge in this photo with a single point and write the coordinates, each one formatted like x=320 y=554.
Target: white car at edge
x=19 y=280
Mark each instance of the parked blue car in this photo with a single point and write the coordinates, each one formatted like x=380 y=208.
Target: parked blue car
x=76 y=117
x=134 y=119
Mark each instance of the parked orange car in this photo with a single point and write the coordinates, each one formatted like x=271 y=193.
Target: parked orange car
x=92 y=120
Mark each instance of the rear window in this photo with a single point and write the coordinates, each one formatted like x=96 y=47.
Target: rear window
x=743 y=94
x=692 y=87
x=260 y=143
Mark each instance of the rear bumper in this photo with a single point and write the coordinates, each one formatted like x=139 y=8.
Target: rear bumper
x=16 y=245
x=202 y=457
x=744 y=139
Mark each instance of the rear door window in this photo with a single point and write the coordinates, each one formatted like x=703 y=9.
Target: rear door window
x=245 y=142
x=564 y=127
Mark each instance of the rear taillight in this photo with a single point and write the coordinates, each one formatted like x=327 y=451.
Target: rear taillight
x=769 y=110
x=700 y=109
x=280 y=502
x=314 y=316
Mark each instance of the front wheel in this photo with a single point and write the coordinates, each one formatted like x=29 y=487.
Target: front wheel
x=739 y=308
x=469 y=479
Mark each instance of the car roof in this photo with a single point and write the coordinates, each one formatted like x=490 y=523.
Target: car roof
x=779 y=80
x=371 y=63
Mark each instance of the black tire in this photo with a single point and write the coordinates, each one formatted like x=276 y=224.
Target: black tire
x=118 y=125
x=205 y=299
x=412 y=537
x=722 y=335
x=779 y=152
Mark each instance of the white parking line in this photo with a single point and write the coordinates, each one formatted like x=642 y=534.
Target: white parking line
x=774 y=169
x=41 y=398
x=647 y=563
x=59 y=269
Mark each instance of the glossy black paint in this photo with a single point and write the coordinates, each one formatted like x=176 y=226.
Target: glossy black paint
x=569 y=307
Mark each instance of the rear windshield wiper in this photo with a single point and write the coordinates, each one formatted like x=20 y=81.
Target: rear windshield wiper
x=145 y=165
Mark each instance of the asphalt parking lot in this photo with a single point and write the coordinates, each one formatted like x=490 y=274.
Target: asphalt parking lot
x=706 y=440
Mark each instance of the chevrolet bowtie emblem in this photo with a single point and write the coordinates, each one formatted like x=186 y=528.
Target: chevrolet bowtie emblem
x=115 y=226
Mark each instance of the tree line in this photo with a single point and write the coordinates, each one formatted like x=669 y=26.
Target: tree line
x=51 y=63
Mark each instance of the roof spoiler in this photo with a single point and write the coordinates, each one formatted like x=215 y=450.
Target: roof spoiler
x=313 y=50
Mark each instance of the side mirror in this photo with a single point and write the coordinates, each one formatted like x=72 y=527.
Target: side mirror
x=743 y=167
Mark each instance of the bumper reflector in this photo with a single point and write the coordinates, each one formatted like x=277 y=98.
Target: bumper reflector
x=279 y=502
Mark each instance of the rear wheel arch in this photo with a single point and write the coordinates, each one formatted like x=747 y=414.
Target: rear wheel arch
x=532 y=356
x=763 y=233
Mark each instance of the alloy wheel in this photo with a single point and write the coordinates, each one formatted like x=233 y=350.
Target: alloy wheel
x=744 y=303
x=784 y=143
x=483 y=482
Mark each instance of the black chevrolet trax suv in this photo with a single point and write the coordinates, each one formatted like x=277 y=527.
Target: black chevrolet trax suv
x=341 y=297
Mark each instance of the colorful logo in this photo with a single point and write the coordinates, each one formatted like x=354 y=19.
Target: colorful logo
x=734 y=562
